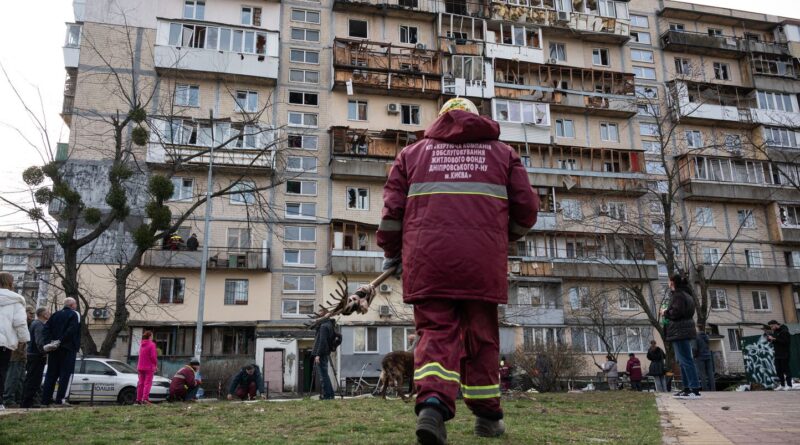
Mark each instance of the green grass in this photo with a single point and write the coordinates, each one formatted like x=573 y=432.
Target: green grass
x=614 y=418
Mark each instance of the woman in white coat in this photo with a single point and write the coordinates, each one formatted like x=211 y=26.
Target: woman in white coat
x=13 y=325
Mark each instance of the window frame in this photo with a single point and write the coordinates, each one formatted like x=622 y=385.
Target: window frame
x=718 y=297
x=410 y=113
x=173 y=298
x=746 y=218
x=247 y=197
x=194 y=4
x=299 y=303
x=186 y=97
x=561 y=124
x=305 y=34
x=652 y=58
x=305 y=74
x=304 y=184
x=358 y=198
x=300 y=231
x=182 y=188
x=366 y=338
x=350 y=31
x=704 y=216
x=300 y=254
x=301 y=214
x=303 y=121
x=608 y=126
x=720 y=68
x=598 y=52
x=293 y=136
x=303 y=95
x=303 y=162
x=305 y=14
x=358 y=108
x=248 y=101
x=408 y=29
x=634 y=18
x=299 y=290
x=637 y=37
x=765 y=295
x=560 y=50
x=644 y=70
x=234 y=299
x=734 y=340
x=305 y=53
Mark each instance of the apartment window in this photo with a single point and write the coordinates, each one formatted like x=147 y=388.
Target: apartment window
x=792 y=258
x=752 y=37
x=651 y=147
x=297 y=308
x=187 y=95
x=400 y=338
x=722 y=71
x=299 y=284
x=243 y=193
x=775 y=101
x=718 y=299
x=305 y=35
x=307 y=188
x=301 y=210
x=521 y=112
x=753 y=258
x=579 y=297
x=733 y=143
x=305 y=16
x=247 y=16
x=299 y=257
x=409 y=34
x=304 y=76
x=74 y=36
x=704 y=216
x=357 y=198
x=571 y=209
x=734 y=341
x=746 y=219
x=236 y=291
x=409 y=114
x=609 y=132
x=358 y=29
x=694 y=139
x=567 y=164
x=565 y=128
x=618 y=211
x=683 y=66
x=655 y=168
x=301 y=163
x=710 y=256
x=300 y=119
x=639 y=21
x=300 y=233
x=246 y=101
x=302 y=141
x=640 y=55
x=600 y=57
x=303 y=98
x=647 y=110
x=365 y=339
x=609 y=8
x=641 y=37
x=645 y=92
x=677 y=27
x=182 y=189
x=304 y=56
x=356 y=110
x=714 y=32
x=780 y=137
x=627 y=302
x=469 y=68
x=170 y=290
x=643 y=72
x=558 y=52
x=760 y=300
x=194 y=10
x=238 y=238
x=529 y=296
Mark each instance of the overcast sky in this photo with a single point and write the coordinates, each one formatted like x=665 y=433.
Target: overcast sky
x=33 y=35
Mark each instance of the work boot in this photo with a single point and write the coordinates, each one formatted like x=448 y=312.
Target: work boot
x=489 y=428
x=430 y=427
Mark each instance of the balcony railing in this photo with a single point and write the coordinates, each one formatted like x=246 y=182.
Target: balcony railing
x=590 y=26
x=747 y=267
x=219 y=258
x=399 y=8
x=754 y=180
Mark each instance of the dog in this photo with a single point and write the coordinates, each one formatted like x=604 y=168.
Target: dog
x=396 y=368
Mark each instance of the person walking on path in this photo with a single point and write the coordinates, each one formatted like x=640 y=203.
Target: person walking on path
x=13 y=326
x=63 y=332
x=658 y=366
x=781 y=341
x=611 y=372
x=15 y=376
x=452 y=203
x=37 y=359
x=704 y=359
x=323 y=346
x=680 y=330
x=634 y=370
x=147 y=366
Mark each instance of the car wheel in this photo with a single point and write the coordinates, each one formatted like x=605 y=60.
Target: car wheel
x=127 y=396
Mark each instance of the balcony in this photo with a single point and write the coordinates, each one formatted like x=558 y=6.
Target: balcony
x=534 y=302
x=713 y=45
x=354 y=248
x=188 y=45
x=586 y=26
x=740 y=270
x=381 y=68
x=786 y=217
x=72 y=45
x=777 y=73
x=365 y=154
x=219 y=258
x=522 y=121
x=706 y=103
x=418 y=9
x=736 y=179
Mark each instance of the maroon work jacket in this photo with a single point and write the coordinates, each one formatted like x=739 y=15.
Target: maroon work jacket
x=634 y=369
x=452 y=203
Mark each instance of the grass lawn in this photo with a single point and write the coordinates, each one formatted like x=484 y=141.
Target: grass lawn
x=614 y=418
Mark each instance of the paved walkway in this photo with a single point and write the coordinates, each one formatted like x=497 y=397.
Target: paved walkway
x=725 y=418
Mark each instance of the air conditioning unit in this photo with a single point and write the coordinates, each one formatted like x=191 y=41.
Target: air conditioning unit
x=393 y=108
x=552 y=61
x=421 y=46
x=604 y=209
x=385 y=288
x=563 y=16
x=384 y=310
x=100 y=313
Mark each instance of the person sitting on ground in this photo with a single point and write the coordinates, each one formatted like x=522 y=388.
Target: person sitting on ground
x=184 y=384
x=192 y=243
x=247 y=384
x=634 y=370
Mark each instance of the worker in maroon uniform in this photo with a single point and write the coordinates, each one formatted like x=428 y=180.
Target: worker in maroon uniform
x=452 y=203
x=184 y=384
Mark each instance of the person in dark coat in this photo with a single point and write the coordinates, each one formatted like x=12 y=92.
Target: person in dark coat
x=64 y=328
x=37 y=358
x=658 y=366
x=634 y=370
x=184 y=384
x=192 y=243
x=452 y=203
x=680 y=330
x=704 y=360
x=247 y=384
x=781 y=341
x=323 y=346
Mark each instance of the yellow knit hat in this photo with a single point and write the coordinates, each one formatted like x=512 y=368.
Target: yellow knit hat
x=459 y=103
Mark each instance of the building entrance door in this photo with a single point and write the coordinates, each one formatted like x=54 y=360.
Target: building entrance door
x=273 y=370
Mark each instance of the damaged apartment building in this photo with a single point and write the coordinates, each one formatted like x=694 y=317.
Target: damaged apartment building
x=338 y=87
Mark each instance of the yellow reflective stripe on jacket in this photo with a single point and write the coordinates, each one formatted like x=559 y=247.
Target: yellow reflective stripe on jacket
x=390 y=225
x=435 y=369
x=480 y=392
x=458 y=188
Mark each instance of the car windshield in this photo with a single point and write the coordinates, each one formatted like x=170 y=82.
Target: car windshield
x=121 y=367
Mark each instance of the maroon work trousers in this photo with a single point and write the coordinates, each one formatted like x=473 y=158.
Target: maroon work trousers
x=459 y=348
x=248 y=392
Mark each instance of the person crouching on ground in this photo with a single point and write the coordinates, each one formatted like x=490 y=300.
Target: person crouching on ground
x=184 y=384
x=680 y=330
x=781 y=341
x=147 y=366
x=247 y=384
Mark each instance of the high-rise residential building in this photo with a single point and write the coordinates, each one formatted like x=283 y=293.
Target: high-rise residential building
x=604 y=100
x=28 y=257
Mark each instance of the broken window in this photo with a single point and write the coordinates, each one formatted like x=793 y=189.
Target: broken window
x=600 y=57
x=409 y=114
x=358 y=29
x=357 y=198
x=409 y=34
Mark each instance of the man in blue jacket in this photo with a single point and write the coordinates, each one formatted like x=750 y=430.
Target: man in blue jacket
x=247 y=384
x=63 y=327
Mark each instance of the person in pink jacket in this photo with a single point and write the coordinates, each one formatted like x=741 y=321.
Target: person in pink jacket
x=148 y=363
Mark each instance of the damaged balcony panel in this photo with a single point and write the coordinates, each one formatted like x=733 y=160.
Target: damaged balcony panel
x=361 y=153
x=354 y=248
x=588 y=26
x=419 y=9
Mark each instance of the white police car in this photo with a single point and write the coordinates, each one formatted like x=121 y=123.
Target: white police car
x=108 y=380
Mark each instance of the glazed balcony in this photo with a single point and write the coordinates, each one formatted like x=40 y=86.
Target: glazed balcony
x=354 y=248
x=72 y=45
x=381 y=68
x=787 y=220
x=775 y=73
x=365 y=154
x=522 y=121
x=219 y=258
x=737 y=179
x=707 y=103
x=419 y=9
x=202 y=47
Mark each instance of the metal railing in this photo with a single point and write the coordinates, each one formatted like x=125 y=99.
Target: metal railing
x=218 y=258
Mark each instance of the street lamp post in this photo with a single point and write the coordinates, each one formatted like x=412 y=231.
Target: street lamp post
x=198 y=335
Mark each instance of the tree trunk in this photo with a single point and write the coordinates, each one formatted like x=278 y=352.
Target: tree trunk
x=121 y=312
